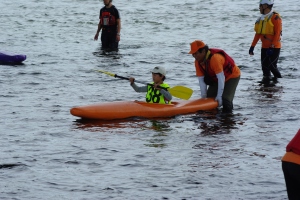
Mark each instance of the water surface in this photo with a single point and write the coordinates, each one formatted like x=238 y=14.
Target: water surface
x=47 y=154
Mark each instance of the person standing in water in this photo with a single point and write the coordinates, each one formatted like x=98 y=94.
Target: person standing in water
x=268 y=29
x=110 y=24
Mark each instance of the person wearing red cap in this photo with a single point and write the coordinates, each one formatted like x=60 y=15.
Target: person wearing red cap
x=291 y=167
x=268 y=29
x=217 y=69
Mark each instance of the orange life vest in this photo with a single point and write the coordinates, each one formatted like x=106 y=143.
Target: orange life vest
x=227 y=67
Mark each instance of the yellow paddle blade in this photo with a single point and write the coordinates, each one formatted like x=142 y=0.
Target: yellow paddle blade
x=108 y=73
x=181 y=92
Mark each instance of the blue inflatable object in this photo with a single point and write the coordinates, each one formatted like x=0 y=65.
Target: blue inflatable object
x=10 y=58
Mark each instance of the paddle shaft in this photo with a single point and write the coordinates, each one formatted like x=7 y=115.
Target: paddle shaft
x=178 y=91
x=122 y=77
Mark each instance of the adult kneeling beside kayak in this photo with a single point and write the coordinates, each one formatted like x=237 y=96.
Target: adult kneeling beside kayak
x=217 y=69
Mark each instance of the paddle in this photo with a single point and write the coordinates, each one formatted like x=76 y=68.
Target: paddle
x=178 y=91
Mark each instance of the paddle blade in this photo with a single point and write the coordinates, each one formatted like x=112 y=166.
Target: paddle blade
x=181 y=92
x=108 y=73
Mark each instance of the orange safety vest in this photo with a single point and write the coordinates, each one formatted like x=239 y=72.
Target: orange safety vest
x=227 y=67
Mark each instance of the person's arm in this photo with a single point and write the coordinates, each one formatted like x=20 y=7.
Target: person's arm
x=254 y=42
x=203 y=86
x=166 y=94
x=163 y=91
x=98 y=30
x=217 y=62
x=255 y=39
x=118 y=29
x=221 y=84
x=277 y=29
x=139 y=89
x=200 y=74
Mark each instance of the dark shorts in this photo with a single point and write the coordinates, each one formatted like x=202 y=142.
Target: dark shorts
x=109 y=41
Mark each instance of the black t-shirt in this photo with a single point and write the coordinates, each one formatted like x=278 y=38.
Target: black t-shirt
x=108 y=16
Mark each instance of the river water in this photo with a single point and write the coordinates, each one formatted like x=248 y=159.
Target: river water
x=46 y=153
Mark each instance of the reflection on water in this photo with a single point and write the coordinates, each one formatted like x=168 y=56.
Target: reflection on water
x=270 y=92
x=12 y=64
x=212 y=140
x=209 y=123
x=156 y=139
x=162 y=129
x=160 y=125
x=11 y=165
x=265 y=96
x=110 y=54
x=101 y=125
x=157 y=125
x=216 y=122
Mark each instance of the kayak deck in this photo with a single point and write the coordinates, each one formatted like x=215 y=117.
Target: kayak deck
x=127 y=109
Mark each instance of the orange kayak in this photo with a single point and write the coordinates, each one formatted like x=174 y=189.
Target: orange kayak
x=126 y=109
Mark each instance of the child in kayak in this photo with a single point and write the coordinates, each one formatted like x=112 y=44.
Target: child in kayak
x=157 y=91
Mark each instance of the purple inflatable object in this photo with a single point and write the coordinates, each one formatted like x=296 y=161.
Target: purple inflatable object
x=10 y=58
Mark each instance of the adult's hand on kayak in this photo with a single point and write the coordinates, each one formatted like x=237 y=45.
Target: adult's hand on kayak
x=131 y=80
x=219 y=100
